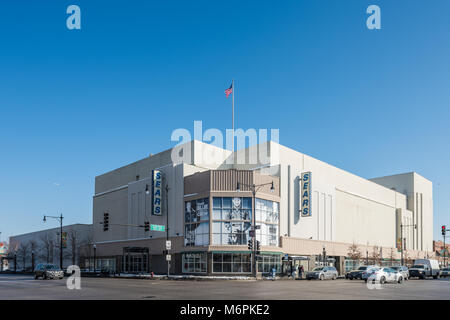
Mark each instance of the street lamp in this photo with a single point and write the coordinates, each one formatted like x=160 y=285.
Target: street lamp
x=95 y=257
x=254 y=188
x=60 y=218
x=32 y=260
x=367 y=254
x=401 y=237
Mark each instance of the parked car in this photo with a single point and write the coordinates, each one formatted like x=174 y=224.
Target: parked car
x=356 y=274
x=445 y=272
x=403 y=270
x=322 y=273
x=48 y=271
x=365 y=273
x=424 y=268
x=384 y=275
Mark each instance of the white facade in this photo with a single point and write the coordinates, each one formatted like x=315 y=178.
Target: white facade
x=350 y=209
x=346 y=208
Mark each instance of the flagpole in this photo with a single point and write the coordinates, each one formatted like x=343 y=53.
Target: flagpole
x=232 y=112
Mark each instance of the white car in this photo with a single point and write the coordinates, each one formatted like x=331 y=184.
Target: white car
x=383 y=275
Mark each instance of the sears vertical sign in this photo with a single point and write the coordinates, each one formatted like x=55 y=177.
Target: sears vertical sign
x=156 y=195
x=305 y=194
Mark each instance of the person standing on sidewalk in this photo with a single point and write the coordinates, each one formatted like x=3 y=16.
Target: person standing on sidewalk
x=301 y=272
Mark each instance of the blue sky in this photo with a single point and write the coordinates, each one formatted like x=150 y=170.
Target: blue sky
x=75 y=104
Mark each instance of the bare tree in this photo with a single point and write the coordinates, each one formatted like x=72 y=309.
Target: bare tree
x=75 y=242
x=407 y=259
x=354 y=253
x=23 y=252
x=85 y=248
x=33 y=250
x=391 y=256
x=47 y=244
x=375 y=256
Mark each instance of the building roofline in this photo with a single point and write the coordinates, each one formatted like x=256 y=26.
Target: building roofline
x=57 y=228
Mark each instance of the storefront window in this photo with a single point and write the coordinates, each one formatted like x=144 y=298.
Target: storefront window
x=267 y=216
x=231 y=263
x=194 y=262
x=196 y=218
x=267 y=262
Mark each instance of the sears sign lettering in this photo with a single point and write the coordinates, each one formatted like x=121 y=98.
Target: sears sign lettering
x=305 y=194
x=156 y=195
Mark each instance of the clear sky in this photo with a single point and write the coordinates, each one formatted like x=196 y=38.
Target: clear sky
x=78 y=103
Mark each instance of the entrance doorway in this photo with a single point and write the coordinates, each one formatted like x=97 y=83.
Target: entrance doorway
x=135 y=260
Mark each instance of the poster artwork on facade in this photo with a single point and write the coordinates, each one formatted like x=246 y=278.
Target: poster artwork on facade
x=305 y=197
x=156 y=192
x=3 y=249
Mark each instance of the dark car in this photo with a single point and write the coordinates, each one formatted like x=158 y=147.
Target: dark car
x=356 y=274
x=48 y=271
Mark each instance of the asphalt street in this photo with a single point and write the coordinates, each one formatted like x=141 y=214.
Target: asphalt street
x=25 y=287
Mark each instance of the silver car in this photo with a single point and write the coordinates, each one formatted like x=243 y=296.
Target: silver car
x=48 y=271
x=322 y=273
x=403 y=270
x=445 y=272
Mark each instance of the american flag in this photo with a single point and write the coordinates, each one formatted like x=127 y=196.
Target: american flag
x=229 y=90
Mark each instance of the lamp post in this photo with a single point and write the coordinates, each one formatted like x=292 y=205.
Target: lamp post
x=60 y=218
x=32 y=260
x=15 y=262
x=167 y=226
x=324 y=252
x=401 y=237
x=254 y=188
x=95 y=257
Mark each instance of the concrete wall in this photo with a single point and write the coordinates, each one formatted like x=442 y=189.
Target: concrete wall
x=360 y=220
x=123 y=197
x=420 y=202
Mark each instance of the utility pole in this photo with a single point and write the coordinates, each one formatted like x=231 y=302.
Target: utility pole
x=444 y=231
x=95 y=258
x=167 y=226
x=254 y=188
x=401 y=237
x=60 y=218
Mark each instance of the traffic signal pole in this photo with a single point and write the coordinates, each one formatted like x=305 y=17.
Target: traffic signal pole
x=444 y=231
x=254 y=188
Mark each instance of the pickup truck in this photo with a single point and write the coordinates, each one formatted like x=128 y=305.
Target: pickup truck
x=424 y=268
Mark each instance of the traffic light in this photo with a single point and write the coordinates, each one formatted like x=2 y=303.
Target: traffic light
x=105 y=221
x=258 y=247
x=250 y=244
x=146 y=226
x=443 y=228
